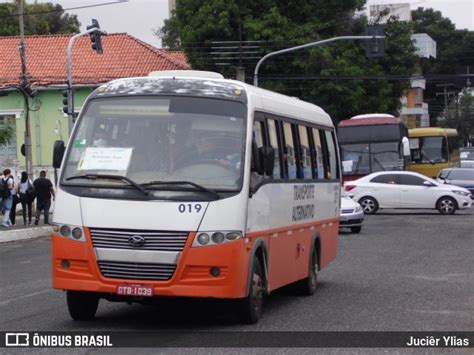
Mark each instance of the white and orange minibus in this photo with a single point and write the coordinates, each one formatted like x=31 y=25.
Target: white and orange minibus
x=187 y=184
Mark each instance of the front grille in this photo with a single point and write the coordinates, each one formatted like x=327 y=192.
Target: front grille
x=347 y=211
x=136 y=271
x=154 y=240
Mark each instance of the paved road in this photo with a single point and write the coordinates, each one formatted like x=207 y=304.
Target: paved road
x=405 y=271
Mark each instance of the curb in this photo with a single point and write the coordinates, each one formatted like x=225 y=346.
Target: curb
x=14 y=235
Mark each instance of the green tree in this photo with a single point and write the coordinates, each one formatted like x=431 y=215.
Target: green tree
x=6 y=133
x=325 y=75
x=460 y=115
x=44 y=18
x=454 y=53
x=169 y=34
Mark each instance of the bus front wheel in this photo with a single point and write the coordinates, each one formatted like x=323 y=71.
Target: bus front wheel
x=251 y=306
x=82 y=305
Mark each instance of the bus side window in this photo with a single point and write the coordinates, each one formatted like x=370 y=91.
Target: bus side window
x=289 y=157
x=317 y=152
x=324 y=144
x=305 y=155
x=273 y=138
x=332 y=155
x=258 y=138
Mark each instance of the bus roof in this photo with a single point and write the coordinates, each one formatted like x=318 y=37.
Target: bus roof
x=370 y=121
x=211 y=86
x=431 y=131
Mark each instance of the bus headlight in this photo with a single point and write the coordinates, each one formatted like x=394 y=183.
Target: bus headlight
x=216 y=238
x=65 y=230
x=203 y=239
x=77 y=233
x=69 y=231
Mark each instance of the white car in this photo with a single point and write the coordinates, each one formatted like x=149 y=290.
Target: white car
x=403 y=189
x=352 y=214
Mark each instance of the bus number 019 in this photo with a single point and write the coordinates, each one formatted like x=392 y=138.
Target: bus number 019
x=189 y=208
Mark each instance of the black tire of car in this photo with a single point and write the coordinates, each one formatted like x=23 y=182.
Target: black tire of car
x=82 y=305
x=250 y=309
x=369 y=205
x=356 y=230
x=446 y=205
x=307 y=286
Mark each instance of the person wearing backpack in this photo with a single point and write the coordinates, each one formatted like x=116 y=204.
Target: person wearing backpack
x=6 y=192
x=27 y=196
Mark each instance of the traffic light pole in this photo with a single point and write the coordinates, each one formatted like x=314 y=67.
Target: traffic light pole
x=308 y=45
x=70 y=95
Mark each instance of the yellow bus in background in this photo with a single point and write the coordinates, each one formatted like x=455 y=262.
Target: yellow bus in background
x=432 y=149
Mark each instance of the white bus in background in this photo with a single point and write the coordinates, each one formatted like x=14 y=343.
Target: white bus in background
x=191 y=185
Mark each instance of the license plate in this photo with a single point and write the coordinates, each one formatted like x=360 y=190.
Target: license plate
x=135 y=290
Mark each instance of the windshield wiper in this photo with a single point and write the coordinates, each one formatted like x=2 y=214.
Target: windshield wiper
x=109 y=177
x=197 y=186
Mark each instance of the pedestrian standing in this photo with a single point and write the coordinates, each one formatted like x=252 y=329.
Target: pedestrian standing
x=7 y=196
x=44 y=190
x=27 y=196
x=15 y=201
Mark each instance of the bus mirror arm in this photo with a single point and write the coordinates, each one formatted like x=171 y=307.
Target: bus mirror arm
x=58 y=153
x=267 y=160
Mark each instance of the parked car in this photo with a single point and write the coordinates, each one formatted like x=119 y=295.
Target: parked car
x=467 y=157
x=459 y=177
x=403 y=189
x=352 y=215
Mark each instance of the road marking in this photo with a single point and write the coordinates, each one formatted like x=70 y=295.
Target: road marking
x=25 y=262
x=24 y=296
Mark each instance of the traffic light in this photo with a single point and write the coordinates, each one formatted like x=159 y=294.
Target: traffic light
x=374 y=47
x=66 y=101
x=95 y=37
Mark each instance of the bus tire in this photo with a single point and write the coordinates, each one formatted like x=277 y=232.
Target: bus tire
x=251 y=306
x=82 y=305
x=307 y=286
x=369 y=204
x=446 y=205
x=356 y=230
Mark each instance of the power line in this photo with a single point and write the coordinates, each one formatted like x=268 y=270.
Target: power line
x=66 y=9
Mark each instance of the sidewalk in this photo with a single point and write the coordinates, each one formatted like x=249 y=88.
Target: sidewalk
x=21 y=232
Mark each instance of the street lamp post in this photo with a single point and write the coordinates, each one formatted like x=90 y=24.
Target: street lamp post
x=70 y=96
x=308 y=45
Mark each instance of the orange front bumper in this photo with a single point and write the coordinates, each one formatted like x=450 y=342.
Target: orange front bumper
x=192 y=277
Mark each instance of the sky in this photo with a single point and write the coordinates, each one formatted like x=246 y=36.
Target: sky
x=140 y=17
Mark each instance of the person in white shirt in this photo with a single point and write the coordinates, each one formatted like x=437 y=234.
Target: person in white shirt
x=7 y=201
x=27 y=196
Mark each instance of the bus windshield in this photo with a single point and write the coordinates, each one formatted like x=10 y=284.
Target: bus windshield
x=159 y=139
x=428 y=150
x=366 y=158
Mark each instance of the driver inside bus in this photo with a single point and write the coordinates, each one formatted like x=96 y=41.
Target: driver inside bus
x=205 y=150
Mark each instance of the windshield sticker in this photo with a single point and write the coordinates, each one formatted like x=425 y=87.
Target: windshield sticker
x=347 y=165
x=79 y=143
x=464 y=155
x=106 y=159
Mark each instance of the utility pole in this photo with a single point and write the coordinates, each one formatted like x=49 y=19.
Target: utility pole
x=25 y=90
x=446 y=94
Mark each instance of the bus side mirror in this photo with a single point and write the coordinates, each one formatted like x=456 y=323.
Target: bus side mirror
x=267 y=160
x=58 y=153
